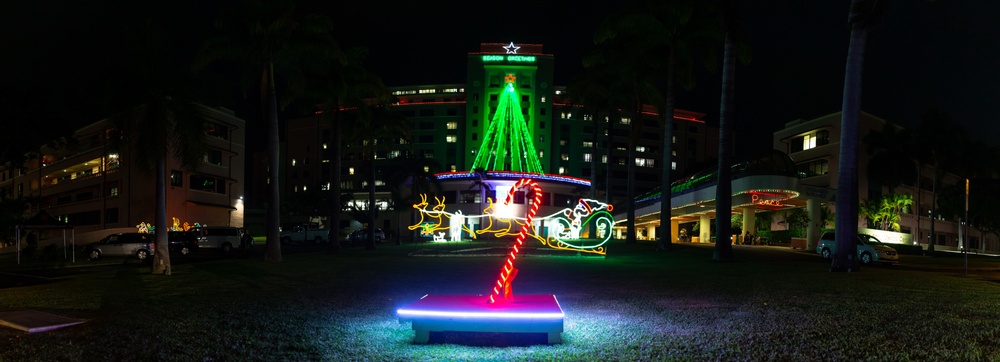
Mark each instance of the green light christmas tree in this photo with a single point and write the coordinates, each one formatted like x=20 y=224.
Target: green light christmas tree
x=507 y=145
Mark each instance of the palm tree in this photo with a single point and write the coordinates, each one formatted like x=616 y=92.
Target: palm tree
x=593 y=93
x=157 y=123
x=670 y=35
x=345 y=85
x=940 y=139
x=735 y=45
x=633 y=76
x=408 y=178
x=378 y=127
x=277 y=45
x=861 y=16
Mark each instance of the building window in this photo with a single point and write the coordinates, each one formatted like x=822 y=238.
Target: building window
x=294 y=162
x=564 y=157
x=452 y=125
x=812 y=140
x=217 y=130
x=813 y=168
x=586 y=157
x=213 y=157
x=562 y=170
x=208 y=184
x=350 y=170
x=176 y=178
x=113 y=191
x=451 y=138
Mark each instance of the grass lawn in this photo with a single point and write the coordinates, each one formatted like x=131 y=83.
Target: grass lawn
x=637 y=304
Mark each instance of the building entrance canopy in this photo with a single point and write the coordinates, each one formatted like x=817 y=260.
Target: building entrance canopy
x=765 y=183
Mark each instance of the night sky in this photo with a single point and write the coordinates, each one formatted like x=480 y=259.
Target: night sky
x=923 y=55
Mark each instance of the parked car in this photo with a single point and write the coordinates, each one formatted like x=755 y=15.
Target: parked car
x=224 y=238
x=183 y=242
x=361 y=235
x=141 y=245
x=870 y=249
x=304 y=234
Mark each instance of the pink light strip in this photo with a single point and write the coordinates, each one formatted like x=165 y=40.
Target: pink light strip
x=411 y=313
x=508 y=266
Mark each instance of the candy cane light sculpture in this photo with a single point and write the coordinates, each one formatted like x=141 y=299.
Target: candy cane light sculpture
x=502 y=288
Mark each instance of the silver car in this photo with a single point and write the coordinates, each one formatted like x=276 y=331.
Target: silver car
x=141 y=245
x=224 y=238
x=870 y=249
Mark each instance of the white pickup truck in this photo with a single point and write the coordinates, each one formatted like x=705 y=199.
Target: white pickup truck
x=303 y=234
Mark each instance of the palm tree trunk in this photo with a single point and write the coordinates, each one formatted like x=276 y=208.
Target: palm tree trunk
x=337 y=158
x=845 y=257
x=724 y=185
x=273 y=245
x=920 y=193
x=933 y=238
x=609 y=160
x=592 y=232
x=633 y=125
x=370 y=245
x=666 y=230
x=161 y=257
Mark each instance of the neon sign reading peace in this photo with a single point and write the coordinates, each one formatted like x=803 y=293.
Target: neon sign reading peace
x=756 y=200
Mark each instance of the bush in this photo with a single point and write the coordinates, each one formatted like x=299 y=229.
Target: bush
x=781 y=236
x=908 y=249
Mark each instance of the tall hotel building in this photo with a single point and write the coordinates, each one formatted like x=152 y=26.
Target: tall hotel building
x=450 y=122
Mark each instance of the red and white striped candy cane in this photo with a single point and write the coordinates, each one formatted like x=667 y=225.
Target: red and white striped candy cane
x=508 y=272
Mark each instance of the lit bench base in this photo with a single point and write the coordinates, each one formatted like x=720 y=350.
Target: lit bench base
x=537 y=313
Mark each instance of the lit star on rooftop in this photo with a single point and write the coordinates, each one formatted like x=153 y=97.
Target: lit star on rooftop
x=511 y=48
